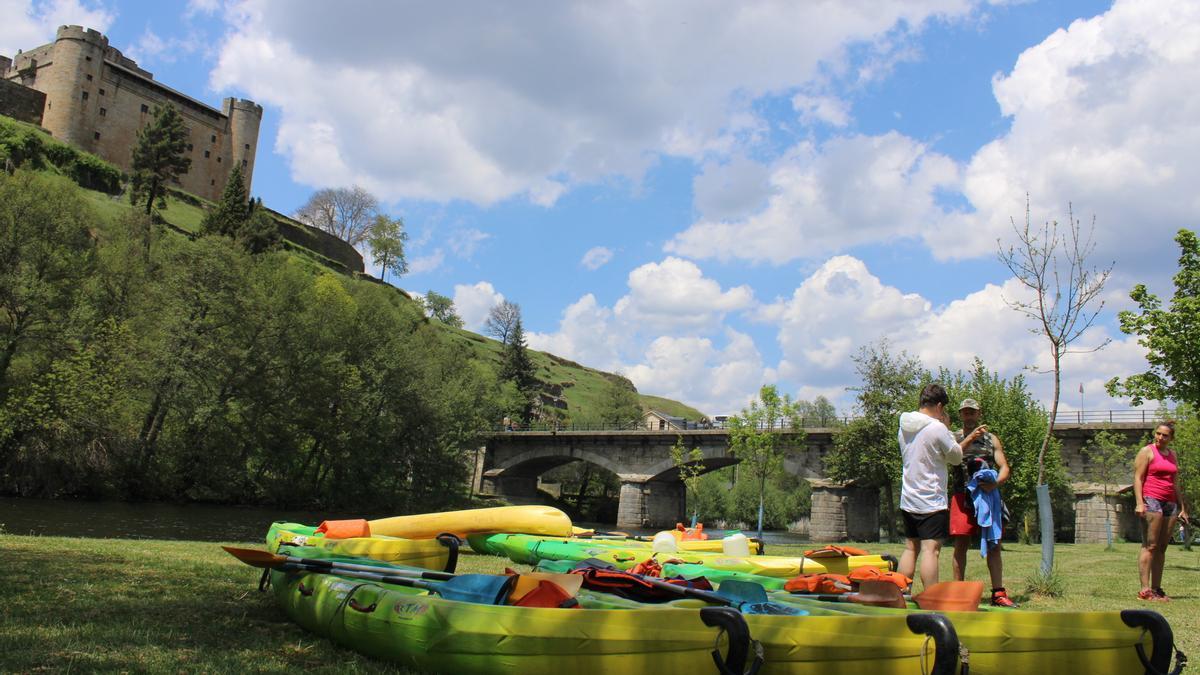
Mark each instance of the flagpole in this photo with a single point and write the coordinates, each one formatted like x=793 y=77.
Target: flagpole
x=1081 y=403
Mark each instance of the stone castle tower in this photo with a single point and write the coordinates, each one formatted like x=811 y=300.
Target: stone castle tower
x=97 y=99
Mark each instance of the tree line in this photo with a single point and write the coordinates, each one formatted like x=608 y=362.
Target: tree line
x=138 y=364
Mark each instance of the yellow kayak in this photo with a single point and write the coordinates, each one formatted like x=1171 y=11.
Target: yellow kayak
x=432 y=554
x=544 y=520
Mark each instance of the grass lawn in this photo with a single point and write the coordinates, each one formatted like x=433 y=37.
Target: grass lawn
x=154 y=606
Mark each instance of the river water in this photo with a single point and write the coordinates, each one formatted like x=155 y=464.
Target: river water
x=192 y=522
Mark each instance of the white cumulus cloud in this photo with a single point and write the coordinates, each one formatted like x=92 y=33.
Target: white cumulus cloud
x=675 y=295
x=1103 y=115
x=27 y=24
x=851 y=190
x=486 y=102
x=473 y=303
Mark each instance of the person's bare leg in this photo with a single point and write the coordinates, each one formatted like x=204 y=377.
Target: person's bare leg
x=1149 y=544
x=908 y=559
x=961 y=544
x=1160 y=551
x=995 y=566
x=931 y=550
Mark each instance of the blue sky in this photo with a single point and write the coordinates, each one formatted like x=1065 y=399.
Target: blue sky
x=711 y=196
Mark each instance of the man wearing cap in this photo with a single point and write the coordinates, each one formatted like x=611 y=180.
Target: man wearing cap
x=986 y=452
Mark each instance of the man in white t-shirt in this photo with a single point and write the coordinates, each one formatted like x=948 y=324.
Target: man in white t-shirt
x=927 y=447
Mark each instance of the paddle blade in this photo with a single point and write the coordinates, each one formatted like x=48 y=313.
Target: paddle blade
x=742 y=592
x=951 y=596
x=879 y=594
x=482 y=589
x=256 y=558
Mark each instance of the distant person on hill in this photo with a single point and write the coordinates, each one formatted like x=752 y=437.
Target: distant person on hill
x=1158 y=499
x=927 y=448
x=986 y=455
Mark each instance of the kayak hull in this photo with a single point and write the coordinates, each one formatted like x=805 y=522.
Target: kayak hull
x=431 y=554
x=533 y=549
x=540 y=520
x=426 y=632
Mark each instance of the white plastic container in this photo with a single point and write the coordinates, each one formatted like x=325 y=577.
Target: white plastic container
x=664 y=542
x=736 y=545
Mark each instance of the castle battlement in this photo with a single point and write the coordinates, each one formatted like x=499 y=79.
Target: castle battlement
x=90 y=35
x=97 y=99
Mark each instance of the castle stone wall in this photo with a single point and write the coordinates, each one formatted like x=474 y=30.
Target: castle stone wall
x=21 y=103
x=97 y=99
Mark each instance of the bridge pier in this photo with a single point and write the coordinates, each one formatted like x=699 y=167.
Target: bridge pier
x=650 y=503
x=516 y=489
x=843 y=512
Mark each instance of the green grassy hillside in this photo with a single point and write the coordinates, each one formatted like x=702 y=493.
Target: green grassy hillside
x=666 y=405
x=570 y=388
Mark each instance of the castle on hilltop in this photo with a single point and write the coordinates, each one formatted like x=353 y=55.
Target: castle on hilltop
x=88 y=94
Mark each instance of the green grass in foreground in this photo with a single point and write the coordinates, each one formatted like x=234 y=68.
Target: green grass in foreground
x=154 y=606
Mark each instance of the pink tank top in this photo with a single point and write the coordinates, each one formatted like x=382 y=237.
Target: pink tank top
x=1160 y=476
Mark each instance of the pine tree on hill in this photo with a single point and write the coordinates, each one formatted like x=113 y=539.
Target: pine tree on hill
x=233 y=209
x=259 y=232
x=158 y=158
x=516 y=367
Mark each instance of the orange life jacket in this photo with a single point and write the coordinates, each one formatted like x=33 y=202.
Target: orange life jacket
x=819 y=583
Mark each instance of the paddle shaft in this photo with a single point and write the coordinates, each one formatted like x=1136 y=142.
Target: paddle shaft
x=395 y=579
x=336 y=565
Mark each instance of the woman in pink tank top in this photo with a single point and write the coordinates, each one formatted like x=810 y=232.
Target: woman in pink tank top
x=1158 y=500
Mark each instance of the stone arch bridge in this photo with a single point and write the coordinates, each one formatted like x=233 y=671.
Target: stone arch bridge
x=652 y=494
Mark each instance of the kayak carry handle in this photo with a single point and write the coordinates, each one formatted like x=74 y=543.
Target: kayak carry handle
x=945 y=641
x=451 y=542
x=732 y=623
x=893 y=563
x=1162 y=640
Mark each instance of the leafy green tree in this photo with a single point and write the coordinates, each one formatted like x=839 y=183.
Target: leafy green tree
x=441 y=308
x=517 y=368
x=386 y=241
x=756 y=437
x=158 y=158
x=259 y=233
x=46 y=250
x=1111 y=458
x=818 y=412
x=691 y=467
x=1171 y=336
x=619 y=405
x=231 y=212
x=865 y=449
x=1187 y=448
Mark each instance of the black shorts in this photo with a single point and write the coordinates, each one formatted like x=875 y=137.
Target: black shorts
x=934 y=525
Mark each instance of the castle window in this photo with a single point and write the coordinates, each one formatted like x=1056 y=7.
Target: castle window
x=96 y=135
x=206 y=153
x=214 y=139
x=104 y=112
x=247 y=146
x=145 y=108
x=89 y=77
x=243 y=162
x=101 y=92
x=218 y=160
x=85 y=95
x=88 y=58
x=189 y=147
x=212 y=182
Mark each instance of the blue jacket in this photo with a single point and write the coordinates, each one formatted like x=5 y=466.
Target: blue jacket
x=988 y=509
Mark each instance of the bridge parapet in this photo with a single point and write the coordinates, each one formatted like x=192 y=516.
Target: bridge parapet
x=651 y=492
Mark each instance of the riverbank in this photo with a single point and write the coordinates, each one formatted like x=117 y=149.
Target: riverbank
x=76 y=604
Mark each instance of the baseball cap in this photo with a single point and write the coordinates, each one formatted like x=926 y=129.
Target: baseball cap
x=970 y=403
